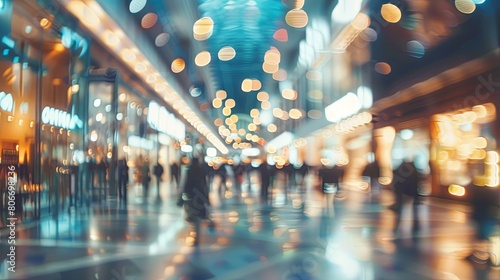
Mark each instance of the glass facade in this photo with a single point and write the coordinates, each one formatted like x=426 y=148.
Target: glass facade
x=40 y=119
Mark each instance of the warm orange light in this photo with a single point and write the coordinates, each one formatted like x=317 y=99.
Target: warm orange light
x=297 y=18
x=178 y=65
x=149 y=20
x=456 y=190
x=383 y=68
x=391 y=13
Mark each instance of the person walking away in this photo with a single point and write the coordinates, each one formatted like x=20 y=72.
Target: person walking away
x=123 y=178
x=146 y=178
x=406 y=180
x=265 y=178
x=195 y=197
x=158 y=171
x=174 y=174
x=485 y=207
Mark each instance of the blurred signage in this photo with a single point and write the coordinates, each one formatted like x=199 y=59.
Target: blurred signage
x=60 y=118
x=139 y=142
x=6 y=101
x=344 y=107
x=73 y=41
x=5 y=18
x=161 y=120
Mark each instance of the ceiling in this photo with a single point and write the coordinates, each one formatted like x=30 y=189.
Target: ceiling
x=248 y=26
x=428 y=37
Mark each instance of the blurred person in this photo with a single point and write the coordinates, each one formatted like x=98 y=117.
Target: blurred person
x=174 y=174
x=265 y=178
x=372 y=170
x=238 y=170
x=330 y=178
x=158 y=172
x=406 y=181
x=302 y=171
x=145 y=178
x=123 y=178
x=194 y=196
x=485 y=208
x=221 y=172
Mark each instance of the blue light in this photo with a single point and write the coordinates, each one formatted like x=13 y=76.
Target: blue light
x=5 y=51
x=15 y=59
x=478 y=1
x=2 y=4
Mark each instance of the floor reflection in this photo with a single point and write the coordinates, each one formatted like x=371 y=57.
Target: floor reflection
x=305 y=236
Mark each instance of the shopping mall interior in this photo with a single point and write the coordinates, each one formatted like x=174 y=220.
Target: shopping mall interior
x=249 y=139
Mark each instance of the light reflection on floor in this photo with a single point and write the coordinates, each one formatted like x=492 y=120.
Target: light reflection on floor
x=301 y=235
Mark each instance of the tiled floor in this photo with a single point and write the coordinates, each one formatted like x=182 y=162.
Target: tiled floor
x=297 y=237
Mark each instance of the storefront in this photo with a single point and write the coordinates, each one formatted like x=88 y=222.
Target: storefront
x=42 y=66
x=451 y=132
x=464 y=152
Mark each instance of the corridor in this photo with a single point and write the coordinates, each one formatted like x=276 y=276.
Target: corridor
x=297 y=236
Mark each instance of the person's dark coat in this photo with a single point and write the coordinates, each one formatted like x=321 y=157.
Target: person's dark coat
x=406 y=179
x=195 y=192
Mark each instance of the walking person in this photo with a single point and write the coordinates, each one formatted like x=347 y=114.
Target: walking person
x=194 y=197
x=158 y=171
x=145 y=178
x=265 y=178
x=174 y=174
x=406 y=181
x=123 y=178
x=485 y=207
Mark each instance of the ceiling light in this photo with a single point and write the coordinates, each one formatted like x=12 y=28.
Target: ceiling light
x=465 y=6
x=217 y=103
x=296 y=18
x=226 y=53
x=262 y=96
x=281 y=35
x=289 y=94
x=256 y=84
x=202 y=59
x=230 y=103
x=136 y=6
x=280 y=75
x=272 y=128
x=246 y=85
x=314 y=114
x=203 y=28
x=265 y=105
x=270 y=68
x=149 y=20
x=162 y=39
x=383 y=68
x=390 y=12
x=221 y=94
x=178 y=65
x=295 y=114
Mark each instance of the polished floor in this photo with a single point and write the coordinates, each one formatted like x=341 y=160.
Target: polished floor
x=300 y=235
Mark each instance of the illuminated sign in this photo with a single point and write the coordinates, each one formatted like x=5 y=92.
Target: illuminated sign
x=343 y=108
x=60 y=118
x=161 y=120
x=6 y=102
x=139 y=142
x=72 y=40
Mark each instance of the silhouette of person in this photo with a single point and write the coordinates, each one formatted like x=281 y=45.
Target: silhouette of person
x=406 y=181
x=175 y=173
x=158 y=171
x=122 y=179
x=145 y=177
x=264 y=181
x=195 y=196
